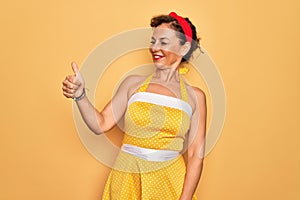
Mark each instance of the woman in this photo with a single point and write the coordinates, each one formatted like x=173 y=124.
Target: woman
x=163 y=116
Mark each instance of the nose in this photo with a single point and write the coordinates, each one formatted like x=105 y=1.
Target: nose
x=154 y=47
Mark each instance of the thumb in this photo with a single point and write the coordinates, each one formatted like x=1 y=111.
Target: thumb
x=75 y=68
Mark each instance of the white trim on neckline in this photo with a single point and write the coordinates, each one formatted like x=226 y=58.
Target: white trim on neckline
x=162 y=100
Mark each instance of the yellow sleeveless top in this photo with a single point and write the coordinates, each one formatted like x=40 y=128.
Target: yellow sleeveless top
x=157 y=121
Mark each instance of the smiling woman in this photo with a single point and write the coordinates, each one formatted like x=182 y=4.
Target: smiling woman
x=164 y=117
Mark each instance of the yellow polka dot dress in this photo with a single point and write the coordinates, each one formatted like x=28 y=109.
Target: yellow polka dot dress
x=157 y=122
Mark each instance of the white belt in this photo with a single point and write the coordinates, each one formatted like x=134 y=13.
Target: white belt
x=149 y=154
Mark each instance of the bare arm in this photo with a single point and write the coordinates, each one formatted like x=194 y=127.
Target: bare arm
x=195 y=154
x=98 y=122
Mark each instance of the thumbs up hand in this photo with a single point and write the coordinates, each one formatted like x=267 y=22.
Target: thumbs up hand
x=73 y=85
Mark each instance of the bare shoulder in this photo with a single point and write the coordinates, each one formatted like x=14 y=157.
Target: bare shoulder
x=199 y=93
x=131 y=83
x=196 y=96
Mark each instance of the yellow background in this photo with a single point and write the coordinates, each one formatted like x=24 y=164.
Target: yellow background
x=255 y=45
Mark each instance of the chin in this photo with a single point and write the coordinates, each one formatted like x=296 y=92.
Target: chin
x=159 y=65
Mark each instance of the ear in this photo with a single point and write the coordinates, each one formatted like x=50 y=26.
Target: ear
x=185 y=48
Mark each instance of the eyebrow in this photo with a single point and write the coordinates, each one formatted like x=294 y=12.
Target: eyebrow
x=162 y=38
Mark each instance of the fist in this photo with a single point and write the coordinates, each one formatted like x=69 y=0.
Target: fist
x=73 y=84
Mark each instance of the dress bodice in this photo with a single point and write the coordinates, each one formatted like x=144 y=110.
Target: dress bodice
x=157 y=121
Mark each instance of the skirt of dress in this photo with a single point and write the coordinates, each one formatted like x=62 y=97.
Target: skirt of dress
x=133 y=178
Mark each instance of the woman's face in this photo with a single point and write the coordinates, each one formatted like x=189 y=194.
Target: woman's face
x=165 y=47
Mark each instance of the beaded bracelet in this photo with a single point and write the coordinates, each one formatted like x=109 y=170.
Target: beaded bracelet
x=80 y=97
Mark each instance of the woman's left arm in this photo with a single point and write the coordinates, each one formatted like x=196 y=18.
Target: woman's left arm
x=195 y=151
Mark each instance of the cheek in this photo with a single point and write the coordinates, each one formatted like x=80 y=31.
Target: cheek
x=171 y=54
x=171 y=58
x=175 y=49
x=172 y=49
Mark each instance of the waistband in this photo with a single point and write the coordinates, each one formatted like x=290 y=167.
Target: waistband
x=150 y=154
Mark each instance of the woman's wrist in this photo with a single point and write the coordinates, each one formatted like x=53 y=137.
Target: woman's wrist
x=80 y=96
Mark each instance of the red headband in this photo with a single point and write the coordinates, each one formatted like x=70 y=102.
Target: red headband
x=185 y=26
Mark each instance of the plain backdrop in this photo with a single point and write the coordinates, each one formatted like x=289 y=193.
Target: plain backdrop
x=255 y=45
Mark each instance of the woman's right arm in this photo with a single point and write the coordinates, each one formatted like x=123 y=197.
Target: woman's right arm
x=98 y=122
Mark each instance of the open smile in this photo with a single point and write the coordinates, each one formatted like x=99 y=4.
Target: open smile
x=157 y=57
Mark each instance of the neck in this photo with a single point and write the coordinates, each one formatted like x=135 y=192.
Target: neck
x=167 y=75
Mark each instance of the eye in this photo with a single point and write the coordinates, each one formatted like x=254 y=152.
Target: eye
x=164 y=43
x=152 y=41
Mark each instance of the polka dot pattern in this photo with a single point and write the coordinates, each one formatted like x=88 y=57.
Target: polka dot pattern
x=151 y=126
x=160 y=127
